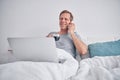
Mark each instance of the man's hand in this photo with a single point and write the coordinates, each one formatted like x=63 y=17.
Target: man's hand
x=71 y=28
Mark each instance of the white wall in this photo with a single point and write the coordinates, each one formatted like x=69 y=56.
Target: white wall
x=26 y=18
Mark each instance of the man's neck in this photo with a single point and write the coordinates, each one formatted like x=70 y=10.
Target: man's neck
x=63 y=32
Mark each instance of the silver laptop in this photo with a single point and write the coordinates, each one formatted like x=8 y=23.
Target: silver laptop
x=34 y=49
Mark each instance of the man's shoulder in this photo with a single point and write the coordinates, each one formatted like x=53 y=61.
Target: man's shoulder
x=78 y=35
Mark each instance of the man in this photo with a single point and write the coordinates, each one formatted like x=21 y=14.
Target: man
x=68 y=39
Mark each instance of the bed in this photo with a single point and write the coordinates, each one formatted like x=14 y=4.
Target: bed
x=93 y=68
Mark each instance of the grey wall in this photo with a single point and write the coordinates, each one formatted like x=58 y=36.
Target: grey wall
x=27 y=18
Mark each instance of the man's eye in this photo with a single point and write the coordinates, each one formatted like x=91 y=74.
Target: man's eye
x=61 y=18
x=66 y=19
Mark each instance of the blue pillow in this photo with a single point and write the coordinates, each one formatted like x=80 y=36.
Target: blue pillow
x=111 y=48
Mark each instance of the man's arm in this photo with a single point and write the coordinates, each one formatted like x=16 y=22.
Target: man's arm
x=79 y=44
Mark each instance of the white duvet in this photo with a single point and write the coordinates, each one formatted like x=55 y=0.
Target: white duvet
x=97 y=68
x=24 y=70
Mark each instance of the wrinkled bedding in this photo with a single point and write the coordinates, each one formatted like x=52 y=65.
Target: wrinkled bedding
x=27 y=70
x=99 y=68
x=96 y=68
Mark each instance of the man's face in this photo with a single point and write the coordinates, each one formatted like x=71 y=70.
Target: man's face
x=64 y=20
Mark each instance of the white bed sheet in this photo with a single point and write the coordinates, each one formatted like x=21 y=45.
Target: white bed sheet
x=96 y=68
x=26 y=70
x=99 y=68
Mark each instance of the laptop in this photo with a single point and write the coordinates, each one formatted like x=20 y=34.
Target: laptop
x=34 y=49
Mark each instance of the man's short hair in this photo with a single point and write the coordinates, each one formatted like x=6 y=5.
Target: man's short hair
x=66 y=11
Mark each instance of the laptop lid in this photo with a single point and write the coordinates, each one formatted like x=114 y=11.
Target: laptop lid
x=34 y=49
